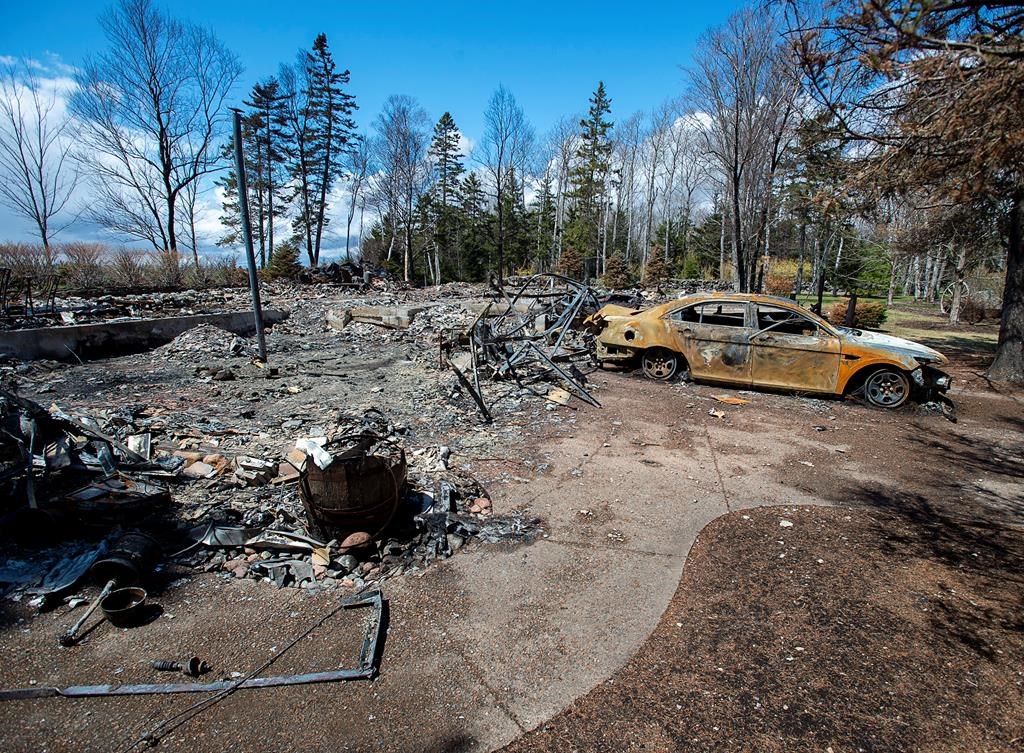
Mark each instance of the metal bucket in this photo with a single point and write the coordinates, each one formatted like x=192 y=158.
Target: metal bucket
x=356 y=492
x=124 y=607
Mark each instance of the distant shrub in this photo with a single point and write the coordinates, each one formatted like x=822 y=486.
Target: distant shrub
x=28 y=259
x=868 y=314
x=83 y=265
x=656 y=271
x=224 y=271
x=779 y=283
x=973 y=309
x=284 y=264
x=126 y=268
x=165 y=270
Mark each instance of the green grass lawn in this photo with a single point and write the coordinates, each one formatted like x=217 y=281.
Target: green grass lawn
x=924 y=322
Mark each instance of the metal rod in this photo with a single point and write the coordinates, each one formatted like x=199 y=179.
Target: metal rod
x=243 y=203
x=369 y=659
x=71 y=636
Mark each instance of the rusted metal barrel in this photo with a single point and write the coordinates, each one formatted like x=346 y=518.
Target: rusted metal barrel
x=130 y=560
x=356 y=492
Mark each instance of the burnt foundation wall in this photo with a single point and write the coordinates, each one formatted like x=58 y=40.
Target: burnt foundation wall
x=105 y=339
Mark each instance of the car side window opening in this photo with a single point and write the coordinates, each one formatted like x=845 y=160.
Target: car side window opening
x=718 y=314
x=784 y=321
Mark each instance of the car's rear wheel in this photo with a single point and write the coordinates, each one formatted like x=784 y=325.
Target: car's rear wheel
x=659 y=363
x=887 y=388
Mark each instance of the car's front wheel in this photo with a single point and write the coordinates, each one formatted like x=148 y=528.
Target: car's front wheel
x=887 y=388
x=659 y=363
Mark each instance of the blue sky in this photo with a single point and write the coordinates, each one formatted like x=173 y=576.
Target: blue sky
x=450 y=56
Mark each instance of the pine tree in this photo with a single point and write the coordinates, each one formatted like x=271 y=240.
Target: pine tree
x=593 y=164
x=269 y=138
x=324 y=137
x=284 y=263
x=448 y=167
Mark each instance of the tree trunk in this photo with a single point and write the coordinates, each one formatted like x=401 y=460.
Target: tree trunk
x=961 y=265
x=721 y=245
x=800 y=263
x=1008 y=365
x=894 y=270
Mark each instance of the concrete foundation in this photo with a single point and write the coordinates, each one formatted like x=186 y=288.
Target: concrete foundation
x=116 y=338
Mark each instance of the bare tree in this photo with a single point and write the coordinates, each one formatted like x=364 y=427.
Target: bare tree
x=743 y=81
x=358 y=170
x=150 y=110
x=37 y=178
x=400 y=152
x=628 y=143
x=504 y=152
x=651 y=158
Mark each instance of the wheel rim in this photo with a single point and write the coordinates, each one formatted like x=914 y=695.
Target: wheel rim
x=887 y=389
x=660 y=364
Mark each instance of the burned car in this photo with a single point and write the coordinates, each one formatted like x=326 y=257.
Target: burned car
x=767 y=342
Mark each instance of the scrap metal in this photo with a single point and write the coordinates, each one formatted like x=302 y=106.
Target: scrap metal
x=369 y=659
x=529 y=330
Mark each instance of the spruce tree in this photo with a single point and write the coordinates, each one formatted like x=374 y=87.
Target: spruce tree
x=264 y=145
x=448 y=167
x=269 y=141
x=231 y=216
x=324 y=138
x=593 y=164
x=475 y=242
x=284 y=263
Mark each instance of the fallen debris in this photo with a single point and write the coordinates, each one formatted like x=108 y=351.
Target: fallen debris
x=529 y=337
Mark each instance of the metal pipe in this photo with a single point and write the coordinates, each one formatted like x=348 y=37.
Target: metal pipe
x=250 y=255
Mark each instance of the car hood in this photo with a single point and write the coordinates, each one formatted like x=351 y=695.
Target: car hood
x=890 y=344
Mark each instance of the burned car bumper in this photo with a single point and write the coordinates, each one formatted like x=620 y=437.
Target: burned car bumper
x=931 y=379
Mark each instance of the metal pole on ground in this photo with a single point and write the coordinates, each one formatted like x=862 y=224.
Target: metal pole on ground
x=243 y=202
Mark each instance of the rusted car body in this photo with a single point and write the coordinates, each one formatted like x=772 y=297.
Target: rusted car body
x=764 y=341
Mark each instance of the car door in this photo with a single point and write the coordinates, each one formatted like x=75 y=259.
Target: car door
x=792 y=351
x=715 y=339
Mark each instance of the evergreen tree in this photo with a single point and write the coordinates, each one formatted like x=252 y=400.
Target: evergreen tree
x=284 y=262
x=616 y=273
x=325 y=130
x=591 y=170
x=542 y=220
x=475 y=243
x=231 y=216
x=448 y=167
x=269 y=140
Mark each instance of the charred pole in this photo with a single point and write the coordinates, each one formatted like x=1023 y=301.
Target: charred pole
x=243 y=203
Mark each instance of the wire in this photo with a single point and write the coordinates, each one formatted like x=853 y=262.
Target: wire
x=170 y=724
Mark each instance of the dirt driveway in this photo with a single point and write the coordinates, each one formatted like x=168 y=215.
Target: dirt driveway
x=496 y=641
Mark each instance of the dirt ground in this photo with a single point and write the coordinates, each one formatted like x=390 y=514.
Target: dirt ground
x=849 y=629
x=901 y=625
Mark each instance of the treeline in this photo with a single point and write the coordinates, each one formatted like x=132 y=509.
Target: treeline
x=872 y=147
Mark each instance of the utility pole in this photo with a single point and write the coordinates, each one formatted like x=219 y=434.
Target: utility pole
x=243 y=203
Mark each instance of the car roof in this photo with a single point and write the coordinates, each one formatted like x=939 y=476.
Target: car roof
x=725 y=296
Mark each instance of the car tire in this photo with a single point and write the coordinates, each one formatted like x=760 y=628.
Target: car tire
x=887 y=388
x=660 y=364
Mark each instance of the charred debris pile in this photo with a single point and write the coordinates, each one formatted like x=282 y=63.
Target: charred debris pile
x=342 y=509
x=351 y=502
